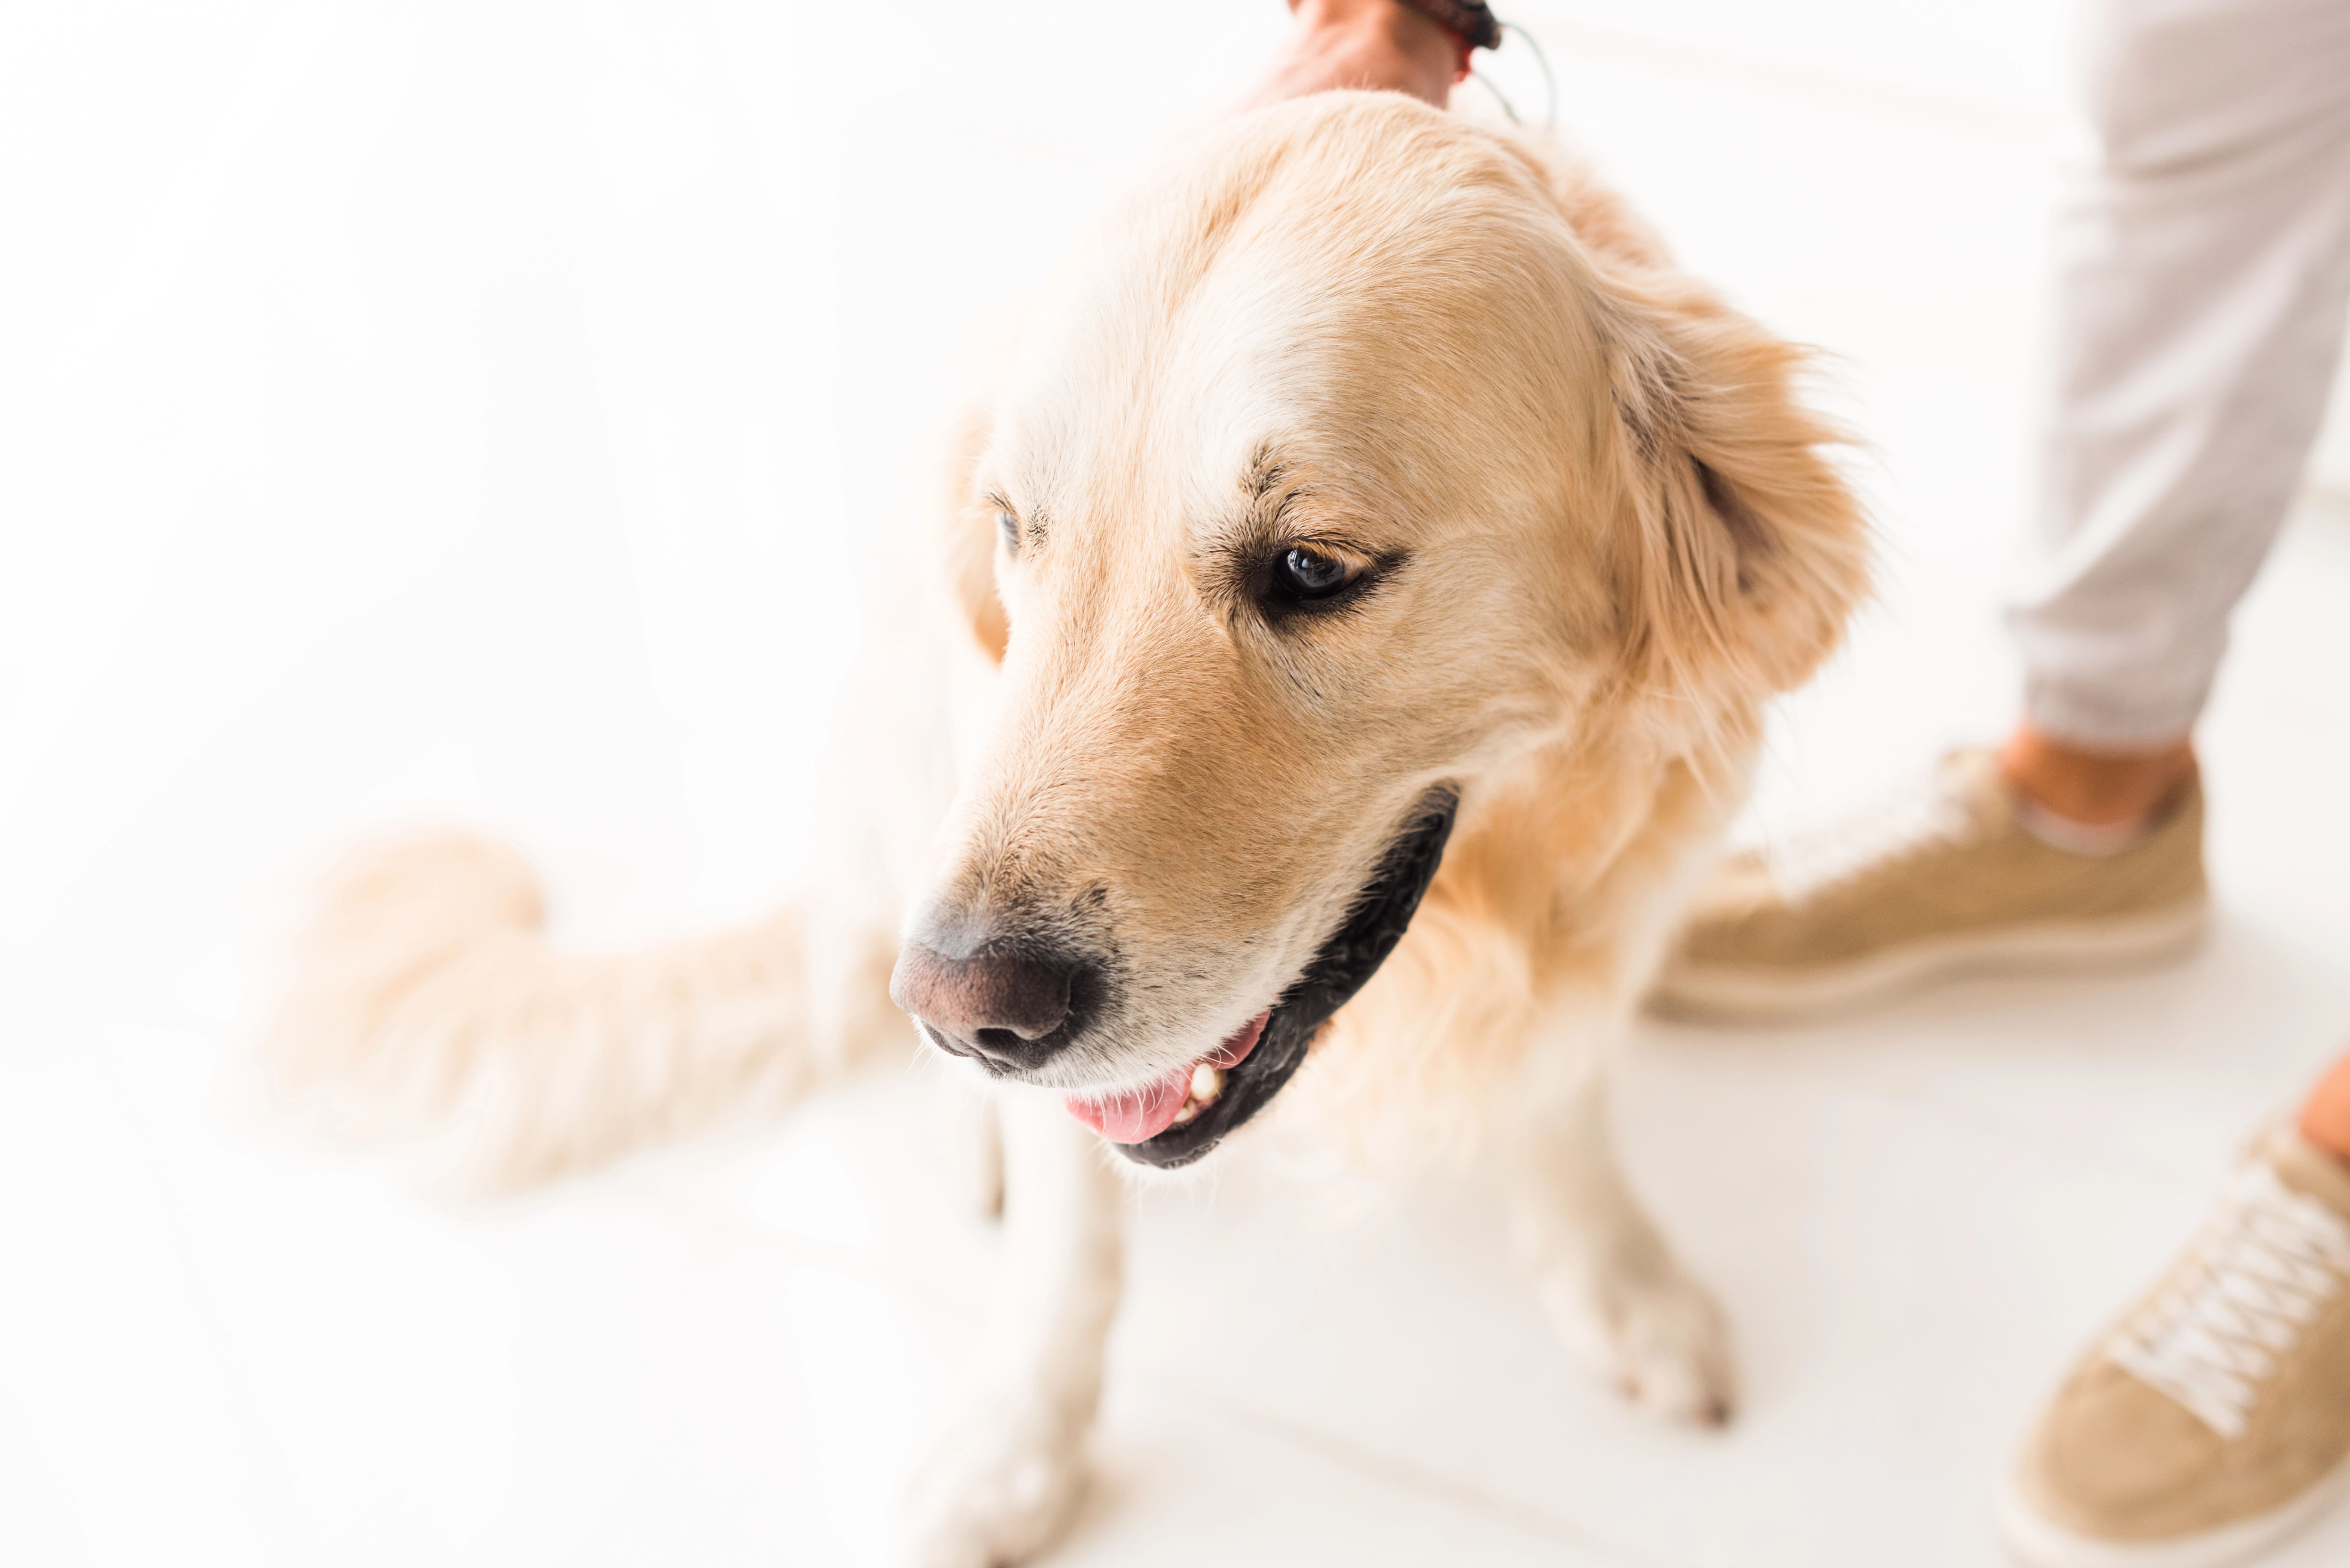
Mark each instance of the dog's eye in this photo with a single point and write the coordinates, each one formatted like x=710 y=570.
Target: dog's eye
x=1008 y=527
x=1304 y=573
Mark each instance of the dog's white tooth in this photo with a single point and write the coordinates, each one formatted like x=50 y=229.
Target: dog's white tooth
x=1191 y=1108
x=1207 y=1083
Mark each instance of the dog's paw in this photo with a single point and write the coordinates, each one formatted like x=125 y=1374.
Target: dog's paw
x=997 y=1489
x=1653 y=1332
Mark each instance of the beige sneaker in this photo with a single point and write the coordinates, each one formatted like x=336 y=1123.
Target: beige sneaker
x=2216 y=1419
x=1943 y=880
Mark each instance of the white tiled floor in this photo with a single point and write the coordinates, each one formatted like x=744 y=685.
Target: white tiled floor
x=456 y=410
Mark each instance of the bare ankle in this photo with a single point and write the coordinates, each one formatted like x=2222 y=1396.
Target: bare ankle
x=2095 y=788
x=2325 y=1115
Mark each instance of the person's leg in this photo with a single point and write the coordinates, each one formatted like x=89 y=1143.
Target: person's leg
x=2201 y=274
x=2096 y=785
x=2199 y=308
x=2203 y=264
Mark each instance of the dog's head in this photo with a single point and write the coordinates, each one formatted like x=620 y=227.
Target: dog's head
x=1338 y=474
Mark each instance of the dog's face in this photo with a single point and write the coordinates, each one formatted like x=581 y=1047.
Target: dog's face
x=1312 y=502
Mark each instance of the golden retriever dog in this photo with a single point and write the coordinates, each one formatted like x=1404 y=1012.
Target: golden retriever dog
x=1364 y=587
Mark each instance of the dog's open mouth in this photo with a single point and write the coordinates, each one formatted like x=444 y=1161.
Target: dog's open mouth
x=1180 y=1115
x=1140 y=1114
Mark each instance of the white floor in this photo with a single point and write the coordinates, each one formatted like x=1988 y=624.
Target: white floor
x=457 y=410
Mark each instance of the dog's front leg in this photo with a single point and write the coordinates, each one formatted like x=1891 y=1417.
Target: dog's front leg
x=1007 y=1476
x=1607 y=1279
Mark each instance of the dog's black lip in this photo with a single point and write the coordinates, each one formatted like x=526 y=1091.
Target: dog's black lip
x=1352 y=955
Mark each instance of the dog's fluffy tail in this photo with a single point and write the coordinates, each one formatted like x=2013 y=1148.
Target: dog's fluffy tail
x=426 y=999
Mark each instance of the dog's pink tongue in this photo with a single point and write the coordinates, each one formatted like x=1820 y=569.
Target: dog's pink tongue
x=1139 y=1115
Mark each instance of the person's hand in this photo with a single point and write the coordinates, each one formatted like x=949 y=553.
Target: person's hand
x=1362 y=44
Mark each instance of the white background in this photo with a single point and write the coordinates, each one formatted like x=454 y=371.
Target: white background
x=512 y=413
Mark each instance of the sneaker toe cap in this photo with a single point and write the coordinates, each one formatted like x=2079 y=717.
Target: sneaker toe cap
x=2113 y=1458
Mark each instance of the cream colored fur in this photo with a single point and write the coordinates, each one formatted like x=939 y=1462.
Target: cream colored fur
x=1612 y=535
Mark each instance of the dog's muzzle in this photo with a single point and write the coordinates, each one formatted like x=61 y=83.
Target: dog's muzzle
x=1013 y=1004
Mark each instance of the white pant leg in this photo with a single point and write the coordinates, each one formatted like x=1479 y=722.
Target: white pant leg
x=2203 y=261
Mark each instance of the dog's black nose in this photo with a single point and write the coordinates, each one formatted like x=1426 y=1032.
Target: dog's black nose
x=1006 y=1009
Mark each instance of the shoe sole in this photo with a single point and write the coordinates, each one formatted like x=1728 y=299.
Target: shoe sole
x=2032 y=1540
x=1756 y=995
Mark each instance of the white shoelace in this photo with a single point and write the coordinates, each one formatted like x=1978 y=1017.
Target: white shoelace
x=1923 y=812
x=2270 y=1262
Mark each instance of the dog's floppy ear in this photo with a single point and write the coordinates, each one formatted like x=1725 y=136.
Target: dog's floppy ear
x=966 y=539
x=1746 y=550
